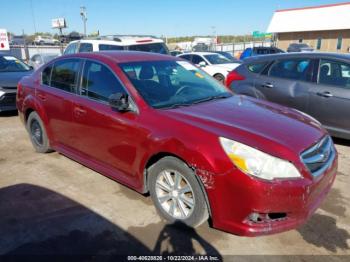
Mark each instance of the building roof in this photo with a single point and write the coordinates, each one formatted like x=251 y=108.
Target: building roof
x=316 y=18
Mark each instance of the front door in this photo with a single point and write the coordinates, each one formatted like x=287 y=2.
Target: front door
x=286 y=82
x=107 y=137
x=330 y=99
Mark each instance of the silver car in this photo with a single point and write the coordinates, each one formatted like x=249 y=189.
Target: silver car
x=315 y=83
x=38 y=60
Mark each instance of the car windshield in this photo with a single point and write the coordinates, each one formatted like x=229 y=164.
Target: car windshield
x=12 y=64
x=153 y=48
x=217 y=59
x=171 y=84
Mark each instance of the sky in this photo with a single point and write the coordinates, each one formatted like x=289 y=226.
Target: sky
x=154 y=17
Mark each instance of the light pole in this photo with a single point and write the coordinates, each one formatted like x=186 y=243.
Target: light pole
x=83 y=15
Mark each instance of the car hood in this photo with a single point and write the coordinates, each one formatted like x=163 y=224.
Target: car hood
x=253 y=122
x=9 y=80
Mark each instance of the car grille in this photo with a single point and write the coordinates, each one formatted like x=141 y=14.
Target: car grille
x=319 y=157
x=8 y=99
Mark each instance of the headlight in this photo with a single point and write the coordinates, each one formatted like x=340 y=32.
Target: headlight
x=256 y=163
x=1 y=93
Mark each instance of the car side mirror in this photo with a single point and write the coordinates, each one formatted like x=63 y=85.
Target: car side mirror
x=119 y=101
x=202 y=64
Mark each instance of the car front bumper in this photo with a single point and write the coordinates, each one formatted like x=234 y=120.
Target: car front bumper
x=246 y=206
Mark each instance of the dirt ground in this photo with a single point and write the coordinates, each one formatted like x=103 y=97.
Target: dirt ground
x=50 y=204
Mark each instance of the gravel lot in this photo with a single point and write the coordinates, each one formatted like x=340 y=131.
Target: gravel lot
x=50 y=204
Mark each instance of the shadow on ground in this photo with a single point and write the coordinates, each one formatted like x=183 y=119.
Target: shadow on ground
x=8 y=113
x=38 y=221
x=340 y=141
x=322 y=231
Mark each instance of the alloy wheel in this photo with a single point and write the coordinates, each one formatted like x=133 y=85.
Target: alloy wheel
x=175 y=194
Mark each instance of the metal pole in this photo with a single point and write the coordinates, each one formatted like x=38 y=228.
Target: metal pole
x=83 y=14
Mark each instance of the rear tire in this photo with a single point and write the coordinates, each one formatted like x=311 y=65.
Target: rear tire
x=220 y=78
x=37 y=133
x=176 y=192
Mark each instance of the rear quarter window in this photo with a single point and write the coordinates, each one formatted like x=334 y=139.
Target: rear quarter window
x=257 y=68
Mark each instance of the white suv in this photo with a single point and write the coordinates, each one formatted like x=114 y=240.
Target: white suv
x=216 y=65
x=40 y=40
x=112 y=43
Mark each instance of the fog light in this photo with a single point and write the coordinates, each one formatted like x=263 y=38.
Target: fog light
x=264 y=218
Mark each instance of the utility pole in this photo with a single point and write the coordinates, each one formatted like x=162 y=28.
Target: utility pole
x=83 y=15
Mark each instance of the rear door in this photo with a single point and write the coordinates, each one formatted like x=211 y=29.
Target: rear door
x=287 y=82
x=56 y=92
x=330 y=98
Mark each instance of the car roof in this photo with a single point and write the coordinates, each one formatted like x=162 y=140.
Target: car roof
x=123 y=56
x=200 y=53
x=121 y=40
x=314 y=55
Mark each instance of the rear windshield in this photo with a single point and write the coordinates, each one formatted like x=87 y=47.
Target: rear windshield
x=102 y=47
x=153 y=48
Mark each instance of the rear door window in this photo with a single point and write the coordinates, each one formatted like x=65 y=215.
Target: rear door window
x=186 y=57
x=65 y=75
x=196 y=59
x=85 y=47
x=99 y=82
x=334 y=73
x=294 y=69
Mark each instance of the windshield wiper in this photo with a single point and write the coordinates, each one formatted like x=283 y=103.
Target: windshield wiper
x=210 y=98
x=206 y=99
x=173 y=106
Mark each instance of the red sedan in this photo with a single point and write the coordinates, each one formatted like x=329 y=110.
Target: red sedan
x=158 y=124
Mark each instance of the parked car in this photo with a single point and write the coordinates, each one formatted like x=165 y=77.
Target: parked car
x=113 y=43
x=38 y=60
x=175 y=52
x=214 y=64
x=299 y=47
x=73 y=36
x=11 y=71
x=158 y=124
x=256 y=51
x=41 y=40
x=315 y=83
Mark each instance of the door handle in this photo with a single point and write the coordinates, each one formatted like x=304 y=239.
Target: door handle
x=41 y=97
x=78 y=111
x=267 y=85
x=325 y=94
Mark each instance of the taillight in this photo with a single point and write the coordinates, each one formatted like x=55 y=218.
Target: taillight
x=233 y=76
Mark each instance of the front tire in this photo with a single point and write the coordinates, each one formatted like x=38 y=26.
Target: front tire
x=37 y=133
x=176 y=192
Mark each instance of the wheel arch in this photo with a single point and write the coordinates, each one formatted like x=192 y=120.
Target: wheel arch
x=156 y=157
